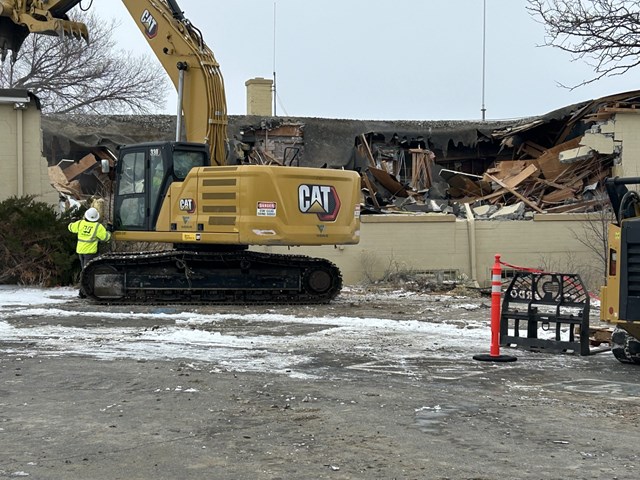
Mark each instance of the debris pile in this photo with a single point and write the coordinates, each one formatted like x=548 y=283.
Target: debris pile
x=552 y=164
x=543 y=186
x=79 y=181
x=272 y=142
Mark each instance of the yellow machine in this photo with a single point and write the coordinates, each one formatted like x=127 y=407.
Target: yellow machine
x=182 y=192
x=620 y=298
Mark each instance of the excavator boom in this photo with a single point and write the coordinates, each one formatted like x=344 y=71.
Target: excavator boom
x=193 y=69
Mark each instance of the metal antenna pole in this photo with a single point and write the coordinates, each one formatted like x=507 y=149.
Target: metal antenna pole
x=484 y=45
x=275 y=114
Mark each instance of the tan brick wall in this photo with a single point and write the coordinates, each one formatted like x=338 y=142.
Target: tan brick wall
x=389 y=243
x=8 y=163
x=626 y=128
x=35 y=179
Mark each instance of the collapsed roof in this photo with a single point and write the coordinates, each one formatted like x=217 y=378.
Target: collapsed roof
x=524 y=160
x=551 y=163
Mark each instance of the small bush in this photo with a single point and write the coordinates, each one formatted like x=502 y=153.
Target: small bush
x=36 y=247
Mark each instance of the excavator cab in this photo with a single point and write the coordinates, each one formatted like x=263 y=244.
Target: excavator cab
x=144 y=173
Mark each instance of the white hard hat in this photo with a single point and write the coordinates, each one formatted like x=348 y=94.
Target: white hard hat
x=92 y=215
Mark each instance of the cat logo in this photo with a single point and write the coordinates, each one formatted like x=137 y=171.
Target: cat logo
x=150 y=24
x=321 y=200
x=187 y=205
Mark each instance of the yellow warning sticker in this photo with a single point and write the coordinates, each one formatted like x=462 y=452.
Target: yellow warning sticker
x=190 y=237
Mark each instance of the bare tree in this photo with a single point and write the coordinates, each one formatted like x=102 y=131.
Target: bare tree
x=71 y=76
x=603 y=33
x=594 y=235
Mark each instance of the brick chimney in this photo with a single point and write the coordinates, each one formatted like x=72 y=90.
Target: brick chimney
x=259 y=96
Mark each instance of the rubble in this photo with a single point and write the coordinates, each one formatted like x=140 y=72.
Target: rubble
x=555 y=163
x=552 y=164
x=79 y=181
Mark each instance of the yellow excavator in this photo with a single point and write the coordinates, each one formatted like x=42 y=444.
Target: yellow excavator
x=620 y=297
x=183 y=192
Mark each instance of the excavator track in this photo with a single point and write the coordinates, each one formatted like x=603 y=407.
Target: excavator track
x=187 y=277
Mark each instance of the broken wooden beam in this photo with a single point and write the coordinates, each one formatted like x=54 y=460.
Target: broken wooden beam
x=367 y=149
x=549 y=161
x=515 y=193
x=85 y=163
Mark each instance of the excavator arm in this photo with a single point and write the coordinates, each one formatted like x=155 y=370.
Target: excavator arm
x=193 y=69
x=177 y=44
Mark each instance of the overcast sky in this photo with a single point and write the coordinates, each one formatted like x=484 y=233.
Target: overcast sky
x=383 y=60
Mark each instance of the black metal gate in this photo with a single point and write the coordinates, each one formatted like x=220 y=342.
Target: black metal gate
x=540 y=311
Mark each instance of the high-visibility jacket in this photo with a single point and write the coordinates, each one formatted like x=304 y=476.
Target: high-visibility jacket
x=89 y=233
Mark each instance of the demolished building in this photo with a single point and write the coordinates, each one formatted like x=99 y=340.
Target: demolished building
x=552 y=163
x=555 y=163
x=423 y=183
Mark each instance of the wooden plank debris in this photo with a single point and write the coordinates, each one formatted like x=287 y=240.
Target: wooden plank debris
x=372 y=192
x=84 y=164
x=532 y=149
x=559 y=195
x=421 y=166
x=462 y=183
x=517 y=179
x=367 y=149
x=549 y=161
x=387 y=181
x=515 y=193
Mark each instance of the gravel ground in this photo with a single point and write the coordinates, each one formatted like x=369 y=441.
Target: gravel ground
x=380 y=384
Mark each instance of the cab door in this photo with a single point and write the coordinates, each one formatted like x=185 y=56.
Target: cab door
x=132 y=207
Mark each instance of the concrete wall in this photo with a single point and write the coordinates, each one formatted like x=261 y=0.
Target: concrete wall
x=23 y=169
x=413 y=244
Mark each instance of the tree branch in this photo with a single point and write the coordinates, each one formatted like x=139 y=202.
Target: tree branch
x=605 y=34
x=70 y=76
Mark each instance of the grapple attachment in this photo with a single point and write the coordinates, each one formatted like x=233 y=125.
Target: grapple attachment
x=19 y=19
x=11 y=37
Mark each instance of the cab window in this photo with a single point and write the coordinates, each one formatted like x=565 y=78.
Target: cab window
x=184 y=161
x=131 y=202
x=132 y=178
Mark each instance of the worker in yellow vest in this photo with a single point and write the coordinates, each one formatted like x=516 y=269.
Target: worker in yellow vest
x=89 y=232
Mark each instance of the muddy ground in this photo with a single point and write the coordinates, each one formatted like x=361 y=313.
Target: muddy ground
x=376 y=385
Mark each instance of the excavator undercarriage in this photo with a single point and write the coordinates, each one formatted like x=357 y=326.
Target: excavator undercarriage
x=224 y=277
